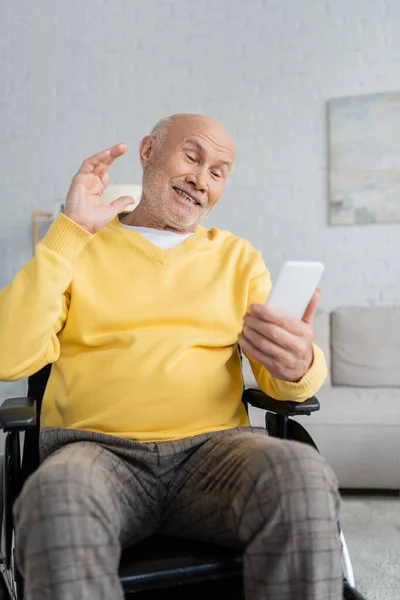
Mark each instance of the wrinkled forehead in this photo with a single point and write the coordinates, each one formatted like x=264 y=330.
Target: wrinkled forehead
x=203 y=133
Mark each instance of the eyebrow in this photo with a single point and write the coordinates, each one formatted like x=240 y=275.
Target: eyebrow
x=201 y=149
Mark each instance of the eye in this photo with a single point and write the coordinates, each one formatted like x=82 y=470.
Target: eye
x=216 y=175
x=191 y=158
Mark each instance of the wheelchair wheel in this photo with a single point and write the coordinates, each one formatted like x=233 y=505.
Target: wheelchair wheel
x=7 y=588
x=11 y=585
x=17 y=581
x=347 y=567
x=12 y=588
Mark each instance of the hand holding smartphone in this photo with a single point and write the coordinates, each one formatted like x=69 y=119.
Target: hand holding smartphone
x=295 y=287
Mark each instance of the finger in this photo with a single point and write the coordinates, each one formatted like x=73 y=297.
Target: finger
x=105 y=180
x=105 y=158
x=121 y=203
x=99 y=185
x=274 y=333
x=91 y=182
x=263 y=345
x=255 y=354
x=271 y=315
x=308 y=316
x=248 y=348
x=115 y=152
x=89 y=164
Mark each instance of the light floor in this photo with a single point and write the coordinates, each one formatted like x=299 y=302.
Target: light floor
x=371 y=527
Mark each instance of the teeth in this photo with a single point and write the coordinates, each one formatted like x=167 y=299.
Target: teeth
x=185 y=196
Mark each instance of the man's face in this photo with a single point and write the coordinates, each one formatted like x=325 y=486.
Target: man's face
x=183 y=180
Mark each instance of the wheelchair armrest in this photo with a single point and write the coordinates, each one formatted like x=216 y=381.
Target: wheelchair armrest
x=257 y=398
x=18 y=414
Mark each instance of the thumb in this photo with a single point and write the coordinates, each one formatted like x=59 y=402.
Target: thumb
x=312 y=307
x=121 y=203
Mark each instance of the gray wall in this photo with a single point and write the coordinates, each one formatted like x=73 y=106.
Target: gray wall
x=78 y=76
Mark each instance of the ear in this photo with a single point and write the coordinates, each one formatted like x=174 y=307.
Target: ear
x=146 y=150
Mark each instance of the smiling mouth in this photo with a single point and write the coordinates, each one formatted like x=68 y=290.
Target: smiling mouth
x=186 y=196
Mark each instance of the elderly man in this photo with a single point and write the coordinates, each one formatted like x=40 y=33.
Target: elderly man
x=142 y=427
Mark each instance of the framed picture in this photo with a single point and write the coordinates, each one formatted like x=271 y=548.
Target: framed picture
x=364 y=159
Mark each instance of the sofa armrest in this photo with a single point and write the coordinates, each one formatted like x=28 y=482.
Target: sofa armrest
x=18 y=414
x=257 y=398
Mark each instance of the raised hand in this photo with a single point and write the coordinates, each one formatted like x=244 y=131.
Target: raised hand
x=84 y=204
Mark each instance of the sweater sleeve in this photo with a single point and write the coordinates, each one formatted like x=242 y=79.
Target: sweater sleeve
x=259 y=290
x=34 y=306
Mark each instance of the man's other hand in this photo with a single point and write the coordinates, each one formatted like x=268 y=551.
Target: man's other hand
x=283 y=345
x=84 y=204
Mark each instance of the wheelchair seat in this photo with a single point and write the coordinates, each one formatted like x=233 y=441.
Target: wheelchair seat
x=162 y=561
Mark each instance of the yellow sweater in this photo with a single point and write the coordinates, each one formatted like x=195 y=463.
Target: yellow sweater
x=143 y=340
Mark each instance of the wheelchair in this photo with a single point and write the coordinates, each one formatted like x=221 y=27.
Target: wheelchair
x=159 y=566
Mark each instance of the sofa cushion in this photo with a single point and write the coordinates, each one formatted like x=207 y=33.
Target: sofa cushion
x=366 y=346
x=322 y=337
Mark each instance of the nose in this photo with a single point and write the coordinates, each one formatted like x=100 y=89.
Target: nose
x=198 y=179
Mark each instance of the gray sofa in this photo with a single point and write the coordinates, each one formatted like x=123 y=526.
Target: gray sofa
x=358 y=426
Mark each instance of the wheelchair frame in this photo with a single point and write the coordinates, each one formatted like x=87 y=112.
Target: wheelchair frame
x=19 y=415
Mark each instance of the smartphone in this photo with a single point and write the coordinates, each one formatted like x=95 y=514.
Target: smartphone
x=295 y=287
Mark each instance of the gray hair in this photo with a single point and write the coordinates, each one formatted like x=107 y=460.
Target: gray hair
x=160 y=130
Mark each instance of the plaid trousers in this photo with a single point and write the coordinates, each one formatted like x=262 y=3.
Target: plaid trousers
x=94 y=494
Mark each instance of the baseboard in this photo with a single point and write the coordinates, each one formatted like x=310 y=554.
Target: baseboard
x=369 y=492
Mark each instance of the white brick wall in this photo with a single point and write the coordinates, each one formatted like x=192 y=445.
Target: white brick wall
x=77 y=76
